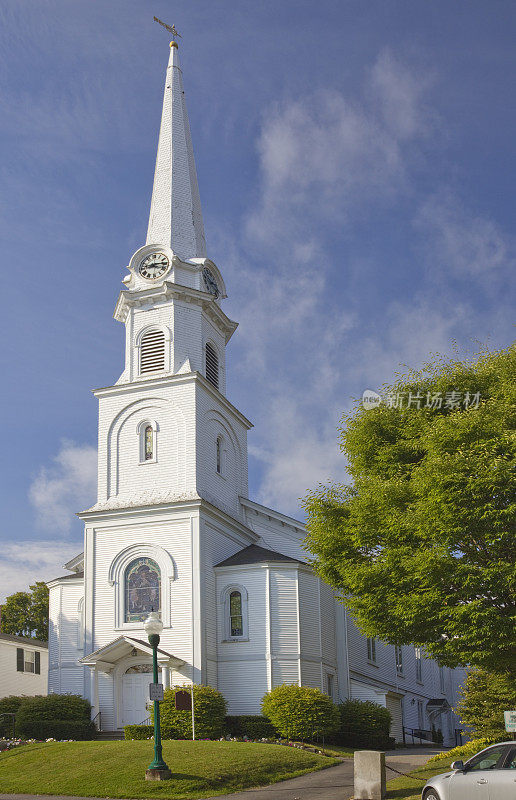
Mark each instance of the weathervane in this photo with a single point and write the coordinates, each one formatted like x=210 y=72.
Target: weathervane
x=171 y=30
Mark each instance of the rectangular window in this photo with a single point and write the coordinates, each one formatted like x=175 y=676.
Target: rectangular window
x=419 y=671
x=371 y=650
x=329 y=685
x=399 y=659
x=441 y=679
x=29 y=661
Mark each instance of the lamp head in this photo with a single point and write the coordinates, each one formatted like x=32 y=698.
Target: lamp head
x=153 y=625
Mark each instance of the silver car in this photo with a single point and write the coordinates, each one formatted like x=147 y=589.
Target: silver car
x=489 y=775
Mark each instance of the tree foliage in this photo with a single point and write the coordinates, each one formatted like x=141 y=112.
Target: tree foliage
x=422 y=542
x=483 y=699
x=300 y=712
x=26 y=613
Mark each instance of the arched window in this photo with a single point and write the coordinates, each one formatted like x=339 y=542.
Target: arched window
x=212 y=365
x=148 y=443
x=152 y=352
x=147 y=435
x=219 y=455
x=236 y=627
x=234 y=601
x=142 y=589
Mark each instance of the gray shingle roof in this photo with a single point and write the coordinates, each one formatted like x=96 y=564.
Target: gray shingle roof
x=9 y=637
x=72 y=577
x=254 y=554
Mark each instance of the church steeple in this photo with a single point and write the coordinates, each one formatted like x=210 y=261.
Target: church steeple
x=175 y=215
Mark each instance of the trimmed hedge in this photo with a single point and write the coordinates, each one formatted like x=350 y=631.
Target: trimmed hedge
x=9 y=705
x=210 y=713
x=140 y=732
x=364 y=724
x=252 y=726
x=57 y=716
x=301 y=712
x=78 y=729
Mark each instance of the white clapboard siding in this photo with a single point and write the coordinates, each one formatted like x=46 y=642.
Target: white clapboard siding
x=284 y=611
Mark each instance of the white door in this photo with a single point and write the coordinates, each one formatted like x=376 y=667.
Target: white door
x=135 y=695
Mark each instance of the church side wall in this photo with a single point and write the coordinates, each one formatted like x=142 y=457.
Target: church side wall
x=216 y=545
x=65 y=674
x=243 y=665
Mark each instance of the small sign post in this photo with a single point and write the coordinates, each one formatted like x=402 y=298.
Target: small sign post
x=185 y=702
x=156 y=692
x=510 y=721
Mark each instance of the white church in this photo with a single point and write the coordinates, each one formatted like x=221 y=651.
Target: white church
x=173 y=528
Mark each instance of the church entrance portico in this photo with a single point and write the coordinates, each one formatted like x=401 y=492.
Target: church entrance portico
x=128 y=663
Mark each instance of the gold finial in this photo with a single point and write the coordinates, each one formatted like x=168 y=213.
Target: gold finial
x=171 y=30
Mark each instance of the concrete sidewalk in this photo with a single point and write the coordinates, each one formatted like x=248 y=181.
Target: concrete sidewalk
x=334 y=783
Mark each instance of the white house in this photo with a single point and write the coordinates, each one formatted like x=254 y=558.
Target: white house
x=23 y=666
x=173 y=528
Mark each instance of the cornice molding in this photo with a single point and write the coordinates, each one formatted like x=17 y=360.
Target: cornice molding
x=128 y=299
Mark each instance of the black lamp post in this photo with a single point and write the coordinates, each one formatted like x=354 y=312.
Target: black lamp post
x=157 y=770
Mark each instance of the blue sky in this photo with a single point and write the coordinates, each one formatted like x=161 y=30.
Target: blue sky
x=356 y=167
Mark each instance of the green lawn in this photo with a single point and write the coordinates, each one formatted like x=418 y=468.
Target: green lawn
x=117 y=769
x=410 y=788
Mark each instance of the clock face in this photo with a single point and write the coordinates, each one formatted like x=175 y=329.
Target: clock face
x=210 y=282
x=154 y=266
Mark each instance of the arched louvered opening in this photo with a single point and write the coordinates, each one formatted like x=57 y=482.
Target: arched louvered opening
x=212 y=365
x=152 y=352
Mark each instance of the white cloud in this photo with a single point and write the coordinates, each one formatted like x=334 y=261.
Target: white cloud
x=27 y=562
x=459 y=241
x=326 y=154
x=65 y=487
x=326 y=161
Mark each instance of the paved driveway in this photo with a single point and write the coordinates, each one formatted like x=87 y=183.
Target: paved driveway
x=334 y=783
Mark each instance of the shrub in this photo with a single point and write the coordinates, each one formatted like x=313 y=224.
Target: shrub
x=364 y=724
x=252 y=726
x=210 y=713
x=139 y=732
x=483 y=699
x=79 y=729
x=300 y=712
x=60 y=716
x=8 y=705
x=464 y=751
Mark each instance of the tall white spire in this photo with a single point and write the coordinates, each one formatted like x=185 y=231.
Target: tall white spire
x=175 y=215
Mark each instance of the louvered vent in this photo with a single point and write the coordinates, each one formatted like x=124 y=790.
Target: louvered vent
x=212 y=365
x=152 y=352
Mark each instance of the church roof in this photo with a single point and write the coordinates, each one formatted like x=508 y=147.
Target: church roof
x=72 y=577
x=175 y=215
x=254 y=554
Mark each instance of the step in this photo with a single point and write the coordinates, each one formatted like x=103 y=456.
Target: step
x=110 y=735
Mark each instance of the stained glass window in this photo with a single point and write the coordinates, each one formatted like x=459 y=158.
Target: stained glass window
x=149 y=444
x=219 y=455
x=142 y=589
x=235 y=614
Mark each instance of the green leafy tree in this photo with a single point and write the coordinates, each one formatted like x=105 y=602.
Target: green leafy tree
x=483 y=699
x=300 y=712
x=422 y=542
x=26 y=613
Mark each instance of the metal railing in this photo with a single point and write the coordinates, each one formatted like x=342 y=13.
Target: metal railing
x=97 y=721
x=417 y=733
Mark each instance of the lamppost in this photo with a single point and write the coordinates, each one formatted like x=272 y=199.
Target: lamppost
x=158 y=770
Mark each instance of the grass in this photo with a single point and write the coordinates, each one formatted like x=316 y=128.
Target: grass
x=410 y=788
x=117 y=769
